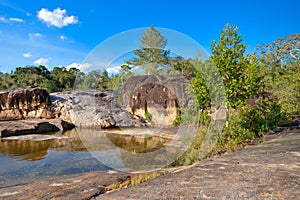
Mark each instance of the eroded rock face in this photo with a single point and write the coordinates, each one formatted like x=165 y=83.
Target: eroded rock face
x=158 y=100
x=25 y=103
x=159 y=97
x=93 y=109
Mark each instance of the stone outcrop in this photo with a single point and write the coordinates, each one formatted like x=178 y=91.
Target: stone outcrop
x=25 y=103
x=24 y=127
x=156 y=97
x=93 y=109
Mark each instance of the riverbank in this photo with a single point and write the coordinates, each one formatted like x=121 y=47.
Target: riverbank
x=263 y=171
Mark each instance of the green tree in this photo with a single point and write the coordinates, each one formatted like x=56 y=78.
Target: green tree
x=95 y=79
x=281 y=60
x=285 y=50
x=241 y=74
x=7 y=81
x=30 y=75
x=185 y=67
x=64 y=77
x=278 y=56
x=151 y=53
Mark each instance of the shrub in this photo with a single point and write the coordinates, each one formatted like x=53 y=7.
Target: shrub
x=245 y=124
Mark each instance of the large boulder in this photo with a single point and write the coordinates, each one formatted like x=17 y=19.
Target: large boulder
x=156 y=98
x=25 y=103
x=93 y=109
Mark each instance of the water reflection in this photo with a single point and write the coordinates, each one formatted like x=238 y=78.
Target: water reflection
x=35 y=147
x=137 y=144
x=139 y=150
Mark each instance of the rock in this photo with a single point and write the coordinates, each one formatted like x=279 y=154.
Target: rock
x=24 y=127
x=161 y=97
x=25 y=103
x=266 y=171
x=66 y=125
x=93 y=109
x=82 y=186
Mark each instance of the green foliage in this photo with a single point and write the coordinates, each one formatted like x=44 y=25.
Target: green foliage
x=182 y=66
x=234 y=134
x=247 y=123
x=204 y=84
x=6 y=81
x=241 y=74
x=200 y=89
x=151 y=54
x=286 y=89
x=64 y=78
x=148 y=116
x=96 y=79
x=58 y=79
x=286 y=50
x=281 y=60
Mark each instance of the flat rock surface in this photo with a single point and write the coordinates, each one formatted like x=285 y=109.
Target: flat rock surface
x=83 y=186
x=34 y=126
x=267 y=171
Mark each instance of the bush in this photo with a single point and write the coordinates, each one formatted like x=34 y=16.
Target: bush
x=247 y=123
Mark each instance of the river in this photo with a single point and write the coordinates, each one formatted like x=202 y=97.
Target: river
x=29 y=158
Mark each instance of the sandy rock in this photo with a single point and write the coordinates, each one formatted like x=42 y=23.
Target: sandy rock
x=25 y=103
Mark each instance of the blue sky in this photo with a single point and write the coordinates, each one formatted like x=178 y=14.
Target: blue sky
x=64 y=32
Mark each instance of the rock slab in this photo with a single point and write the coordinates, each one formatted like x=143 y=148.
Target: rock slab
x=267 y=171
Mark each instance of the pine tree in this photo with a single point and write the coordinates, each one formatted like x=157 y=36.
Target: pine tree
x=151 y=54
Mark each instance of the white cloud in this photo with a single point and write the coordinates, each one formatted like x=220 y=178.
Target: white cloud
x=57 y=17
x=3 y=19
x=16 y=20
x=27 y=55
x=41 y=61
x=79 y=66
x=62 y=37
x=114 y=70
x=11 y=19
x=33 y=36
